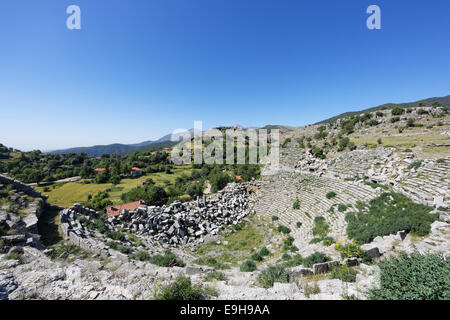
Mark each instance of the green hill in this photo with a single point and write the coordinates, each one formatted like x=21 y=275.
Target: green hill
x=444 y=101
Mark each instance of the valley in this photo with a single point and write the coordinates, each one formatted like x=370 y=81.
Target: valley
x=353 y=200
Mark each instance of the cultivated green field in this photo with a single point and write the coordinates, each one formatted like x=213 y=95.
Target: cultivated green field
x=76 y=192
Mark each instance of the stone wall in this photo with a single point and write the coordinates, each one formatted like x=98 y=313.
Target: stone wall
x=73 y=234
x=20 y=186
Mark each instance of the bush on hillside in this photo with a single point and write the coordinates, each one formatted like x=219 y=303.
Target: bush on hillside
x=273 y=274
x=167 y=260
x=397 y=111
x=388 y=214
x=182 y=289
x=316 y=257
x=321 y=227
x=417 y=277
x=248 y=266
x=296 y=204
x=343 y=273
x=283 y=229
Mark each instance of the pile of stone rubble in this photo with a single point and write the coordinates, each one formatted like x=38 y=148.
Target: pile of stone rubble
x=179 y=223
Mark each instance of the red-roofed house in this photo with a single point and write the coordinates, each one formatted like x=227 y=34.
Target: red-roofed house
x=116 y=210
x=97 y=170
x=238 y=177
x=136 y=172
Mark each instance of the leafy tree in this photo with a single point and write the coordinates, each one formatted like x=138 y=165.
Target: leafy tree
x=102 y=177
x=397 y=111
x=218 y=181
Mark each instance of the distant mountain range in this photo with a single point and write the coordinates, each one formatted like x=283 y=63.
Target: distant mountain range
x=98 y=150
x=165 y=141
x=445 y=101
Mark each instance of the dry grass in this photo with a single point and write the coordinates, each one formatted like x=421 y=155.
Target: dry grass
x=423 y=139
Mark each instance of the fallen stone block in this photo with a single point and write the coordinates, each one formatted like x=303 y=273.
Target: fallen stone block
x=402 y=234
x=13 y=239
x=301 y=271
x=325 y=266
x=351 y=262
x=374 y=252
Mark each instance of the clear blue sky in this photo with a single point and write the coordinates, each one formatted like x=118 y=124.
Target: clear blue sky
x=140 y=69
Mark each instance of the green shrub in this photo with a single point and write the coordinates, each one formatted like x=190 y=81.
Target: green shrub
x=285 y=256
x=295 y=260
x=273 y=274
x=15 y=256
x=248 y=266
x=374 y=186
x=331 y=194
x=141 y=256
x=388 y=214
x=299 y=224
x=274 y=218
x=343 y=273
x=116 y=235
x=167 y=260
x=112 y=245
x=211 y=262
x=372 y=122
x=264 y=252
x=289 y=241
x=134 y=238
x=327 y=241
x=3 y=194
x=316 y=257
x=315 y=240
x=417 y=277
x=82 y=219
x=123 y=249
x=415 y=165
x=215 y=275
x=288 y=245
x=319 y=152
x=285 y=142
x=422 y=111
x=182 y=289
x=237 y=227
x=257 y=257
x=321 y=227
x=397 y=111
x=349 y=250
x=284 y=229
x=296 y=204
x=342 y=207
